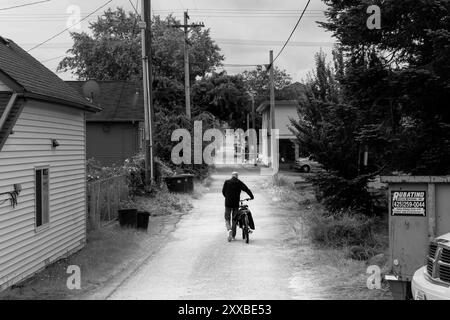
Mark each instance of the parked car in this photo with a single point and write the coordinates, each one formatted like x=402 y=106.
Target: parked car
x=306 y=164
x=432 y=281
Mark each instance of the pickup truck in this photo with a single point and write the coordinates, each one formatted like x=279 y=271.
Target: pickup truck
x=419 y=236
x=432 y=281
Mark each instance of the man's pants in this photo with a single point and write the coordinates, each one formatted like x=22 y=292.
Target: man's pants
x=231 y=214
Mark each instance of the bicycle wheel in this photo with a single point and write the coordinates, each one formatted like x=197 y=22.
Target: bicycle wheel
x=245 y=230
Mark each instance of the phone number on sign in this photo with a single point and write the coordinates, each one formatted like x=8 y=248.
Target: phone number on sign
x=409 y=204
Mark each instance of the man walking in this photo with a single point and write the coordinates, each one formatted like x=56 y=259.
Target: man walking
x=232 y=192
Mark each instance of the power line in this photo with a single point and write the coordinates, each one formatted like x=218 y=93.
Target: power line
x=198 y=11
x=240 y=65
x=240 y=11
x=135 y=7
x=253 y=10
x=54 y=58
x=290 y=36
x=59 y=33
x=24 y=5
x=131 y=45
x=129 y=53
x=242 y=42
x=11 y=19
x=247 y=10
x=221 y=41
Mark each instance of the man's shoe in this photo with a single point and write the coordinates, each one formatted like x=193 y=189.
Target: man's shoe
x=229 y=236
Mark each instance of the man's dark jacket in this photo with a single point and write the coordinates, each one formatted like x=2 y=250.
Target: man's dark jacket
x=232 y=192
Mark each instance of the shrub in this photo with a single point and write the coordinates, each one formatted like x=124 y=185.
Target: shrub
x=135 y=171
x=95 y=171
x=163 y=202
x=340 y=194
x=133 y=168
x=341 y=230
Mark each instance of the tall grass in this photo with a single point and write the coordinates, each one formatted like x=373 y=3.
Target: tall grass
x=341 y=230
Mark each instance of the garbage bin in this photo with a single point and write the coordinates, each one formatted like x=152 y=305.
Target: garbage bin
x=128 y=217
x=180 y=183
x=142 y=220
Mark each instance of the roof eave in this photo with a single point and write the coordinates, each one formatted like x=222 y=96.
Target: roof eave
x=264 y=105
x=10 y=82
x=86 y=107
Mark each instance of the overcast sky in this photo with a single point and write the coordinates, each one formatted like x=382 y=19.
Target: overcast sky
x=245 y=30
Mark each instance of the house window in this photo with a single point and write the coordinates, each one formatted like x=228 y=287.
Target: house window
x=42 y=199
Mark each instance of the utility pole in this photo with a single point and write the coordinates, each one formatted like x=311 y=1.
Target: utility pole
x=255 y=149
x=253 y=113
x=187 y=84
x=248 y=122
x=274 y=151
x=272 y=92
x=145 y=25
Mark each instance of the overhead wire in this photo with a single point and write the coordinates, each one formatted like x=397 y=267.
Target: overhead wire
x=135 y=7
x=196 y=12
x=54 y=58
x=129 y=53
x=257 y=13
x=290 y=36
x=61 y=32
x=223 y=41
x=24 y=5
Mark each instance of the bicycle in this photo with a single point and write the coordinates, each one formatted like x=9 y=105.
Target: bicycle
x=243 y=220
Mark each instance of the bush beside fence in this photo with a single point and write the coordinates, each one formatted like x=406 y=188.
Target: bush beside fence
x=103 y=199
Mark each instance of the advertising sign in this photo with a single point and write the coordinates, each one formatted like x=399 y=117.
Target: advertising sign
x=408 y=203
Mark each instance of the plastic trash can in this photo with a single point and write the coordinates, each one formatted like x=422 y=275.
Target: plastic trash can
x=128 y=217
x=183 y=183
x=142 y=220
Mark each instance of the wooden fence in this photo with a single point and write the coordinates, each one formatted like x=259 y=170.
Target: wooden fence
x=103 y=198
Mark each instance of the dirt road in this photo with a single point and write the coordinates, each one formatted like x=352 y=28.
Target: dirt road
x=198 y=262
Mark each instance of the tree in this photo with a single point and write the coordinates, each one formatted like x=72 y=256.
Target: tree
x=257 y=83
x=387 y=94
x=326 y=125
x=225 y=96
x=398 y=76
x=327 y=129
x=113 y=51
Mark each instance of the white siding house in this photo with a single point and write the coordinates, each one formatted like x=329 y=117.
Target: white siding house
x=288 y=150
x=42 y=150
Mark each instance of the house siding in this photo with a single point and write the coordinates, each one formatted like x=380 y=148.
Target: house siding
x=23 y=250
x=112 y=142
x=287 y=149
